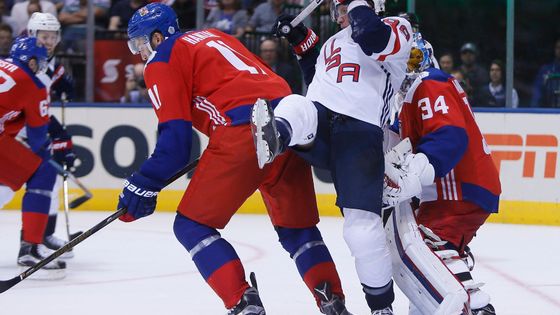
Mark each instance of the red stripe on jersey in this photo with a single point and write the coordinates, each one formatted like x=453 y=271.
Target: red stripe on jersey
x=393 y=24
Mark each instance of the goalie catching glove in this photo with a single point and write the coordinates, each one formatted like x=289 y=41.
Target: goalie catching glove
x=405 y=173
x=300 y=37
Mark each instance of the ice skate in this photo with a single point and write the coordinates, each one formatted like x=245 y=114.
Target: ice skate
x=265 y=133
x=250 y=303
x=487 y=310
x=330 y=304
x=31 y=254
x=54 y=243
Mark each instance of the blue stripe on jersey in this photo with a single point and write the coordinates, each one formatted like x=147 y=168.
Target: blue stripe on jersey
x=368 y=30
x=387 y=95
x=307 y=65
x=163 y=53
x=444 y=148
x=294 y=240
x=242 y=114
x=209 y=258
x=436 y=75
x=480 y=196
x=172 y=152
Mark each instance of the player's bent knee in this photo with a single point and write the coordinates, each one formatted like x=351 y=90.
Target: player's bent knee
x=363 y=233
x=192 y=234
x=301 y=114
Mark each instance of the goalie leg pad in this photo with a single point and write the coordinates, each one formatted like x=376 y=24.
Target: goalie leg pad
x=301 y=114
x=419 y=272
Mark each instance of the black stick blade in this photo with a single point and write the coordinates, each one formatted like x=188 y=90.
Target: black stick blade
x=7 y=284
x=78 y=201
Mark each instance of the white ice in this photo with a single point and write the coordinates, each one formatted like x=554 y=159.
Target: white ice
x=140 y=268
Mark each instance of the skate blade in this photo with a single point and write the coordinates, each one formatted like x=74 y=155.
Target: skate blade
x=45 y=274
x=261 y=117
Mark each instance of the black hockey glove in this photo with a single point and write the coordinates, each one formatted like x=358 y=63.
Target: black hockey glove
x=300 y=37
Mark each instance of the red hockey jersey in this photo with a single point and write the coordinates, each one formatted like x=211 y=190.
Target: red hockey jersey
x=209 y=78
x=437 y=118
x=23 y=99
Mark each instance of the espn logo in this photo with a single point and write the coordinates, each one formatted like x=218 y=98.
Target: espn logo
x=139 y=191
x=515 y=147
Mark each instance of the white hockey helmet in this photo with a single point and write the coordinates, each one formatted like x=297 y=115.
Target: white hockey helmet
x=43 y=22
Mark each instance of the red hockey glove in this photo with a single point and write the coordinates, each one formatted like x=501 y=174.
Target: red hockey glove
x=300 y=37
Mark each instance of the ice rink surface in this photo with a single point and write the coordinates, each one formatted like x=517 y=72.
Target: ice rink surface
x=139 y=268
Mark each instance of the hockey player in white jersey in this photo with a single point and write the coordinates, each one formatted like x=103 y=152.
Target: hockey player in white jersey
x=337 y=126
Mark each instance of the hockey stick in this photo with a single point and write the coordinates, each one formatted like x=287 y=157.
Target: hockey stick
x=65 y=178
x=7 y=284
x=285 y=30
x=80 y=200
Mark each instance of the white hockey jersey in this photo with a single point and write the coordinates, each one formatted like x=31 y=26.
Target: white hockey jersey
x=349 y=82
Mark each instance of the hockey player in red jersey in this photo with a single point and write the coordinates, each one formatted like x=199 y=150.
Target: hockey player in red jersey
x=24 y=103
x=450 y=169
x=209 y=80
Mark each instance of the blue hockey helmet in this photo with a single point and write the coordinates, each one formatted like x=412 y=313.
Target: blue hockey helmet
x=147 y=20
x=26 y=48
x=421 y=55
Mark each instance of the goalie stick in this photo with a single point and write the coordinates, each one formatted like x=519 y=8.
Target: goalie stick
x=7 y=284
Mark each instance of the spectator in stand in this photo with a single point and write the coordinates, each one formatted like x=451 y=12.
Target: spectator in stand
x=265 y=15
x=186 y=13
x=459 y=76
x=6 y=39
x=6 y=19
x=494 y=93
x=228 y=17
x=21 y=12
x=546 y=88
x=73 y=18
x=135 y=90
x=475 y=74
x=122 y=11
x=269 y=54
x=446 y=63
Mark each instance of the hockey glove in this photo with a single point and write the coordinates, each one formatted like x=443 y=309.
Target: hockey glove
x=405 y=181
x=63 y=152
x=300 y=37
x=139 y=197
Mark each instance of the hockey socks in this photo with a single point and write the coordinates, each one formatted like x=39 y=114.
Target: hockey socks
x=312 y=258
x=214 y=257
x=379 y=298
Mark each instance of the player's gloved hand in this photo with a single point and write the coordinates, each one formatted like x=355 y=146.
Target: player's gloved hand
x=405 y=181
x=300 y=37
x=139 y=197
x=63 y=151
x=379 y=6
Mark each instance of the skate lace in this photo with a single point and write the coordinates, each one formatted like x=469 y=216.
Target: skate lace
x=385 y=311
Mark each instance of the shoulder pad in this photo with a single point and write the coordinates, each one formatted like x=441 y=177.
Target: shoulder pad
x=436 y=75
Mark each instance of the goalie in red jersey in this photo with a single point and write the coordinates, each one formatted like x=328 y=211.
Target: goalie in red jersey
x=445 y=161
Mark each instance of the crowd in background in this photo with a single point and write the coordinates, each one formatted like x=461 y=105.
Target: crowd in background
x=243 y=19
